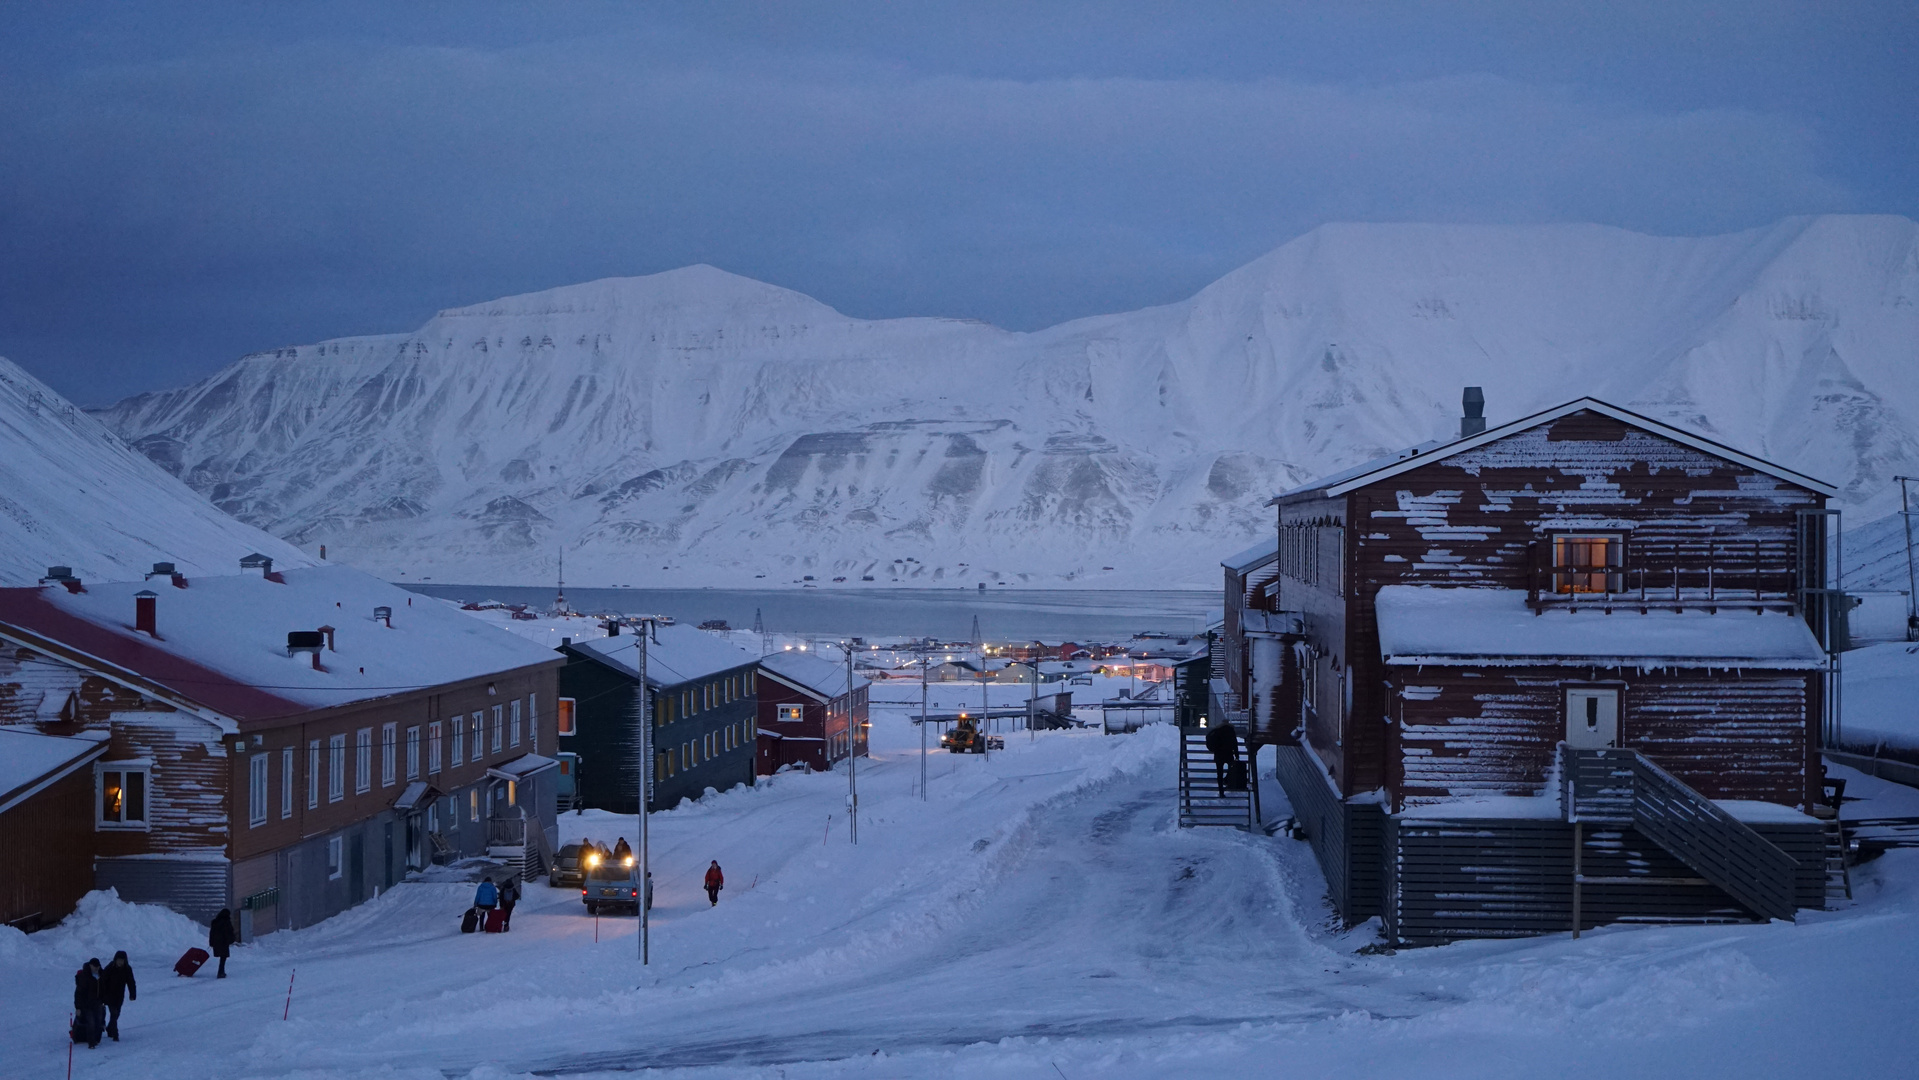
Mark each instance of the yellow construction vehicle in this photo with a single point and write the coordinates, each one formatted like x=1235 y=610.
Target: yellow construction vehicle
x=966 y=738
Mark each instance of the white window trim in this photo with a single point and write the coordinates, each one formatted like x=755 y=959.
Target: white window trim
x=100 y=768
x=499 y=727
x=389 y=750
x=433 y=740
x=413 y=752
x=513 y=722
x=313 y=774
x=363 y=761
x=456 y=754
x=336 y=767
x=259 y=789
x=335 y=857
x=287 y=773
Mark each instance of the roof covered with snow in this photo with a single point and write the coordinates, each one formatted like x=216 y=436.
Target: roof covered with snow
x=30 y=760
x=1385 y=468
x=1253 y=557
x=222 y=641
x=809 y=671
x=674 y=655
x=1422 y=624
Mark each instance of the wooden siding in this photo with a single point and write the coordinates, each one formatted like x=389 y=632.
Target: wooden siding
x=1347 y=838
x=1461 y=733
x=606 y=737
x=1307 y=586
x=1450 y=880
x=46 y=847
x=1470 y=520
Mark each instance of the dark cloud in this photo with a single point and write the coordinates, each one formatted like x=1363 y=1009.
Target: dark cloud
x=183 y=185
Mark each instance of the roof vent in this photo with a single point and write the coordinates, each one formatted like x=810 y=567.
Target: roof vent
x=383 y=615
x=58 y=573
x=162 y=569
x=256 y=564
x=1472 y=420
x=307 y=641
x=145 y=614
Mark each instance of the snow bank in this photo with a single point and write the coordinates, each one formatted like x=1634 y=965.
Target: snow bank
x=102 y=925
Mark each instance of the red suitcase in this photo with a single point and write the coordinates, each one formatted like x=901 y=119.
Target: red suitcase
x=191 y=962
x=495 y=921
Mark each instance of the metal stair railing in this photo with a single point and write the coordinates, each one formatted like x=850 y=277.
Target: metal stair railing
x=1692 y=828
x=1202 y=801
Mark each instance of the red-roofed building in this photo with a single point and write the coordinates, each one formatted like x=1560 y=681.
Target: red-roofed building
x=285 y=744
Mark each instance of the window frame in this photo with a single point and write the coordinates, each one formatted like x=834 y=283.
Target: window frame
x=434 y=747
x=1568 y=576
x=389 y=753
x=335 y=857
x=567 y=721
x=413 y=752
x=336 y=767
x=513 y=723
x=123 y=769
x=313 y=774
x=259 y=788
x=457 y=742
x=286 y=782
x=363 y=761
x=790 y=714
x=499 y=728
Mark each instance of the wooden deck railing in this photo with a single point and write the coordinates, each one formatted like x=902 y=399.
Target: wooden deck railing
x=1620 y=787
x=1687 y=574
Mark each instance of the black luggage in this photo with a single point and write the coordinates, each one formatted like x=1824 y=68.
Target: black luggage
x=470 y=921
x=1236 y=775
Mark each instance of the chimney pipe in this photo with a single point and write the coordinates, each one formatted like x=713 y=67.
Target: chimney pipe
x=145 y=617
x=322 y=552
x=384 y=615
x=1472 y=420
x=328 y=631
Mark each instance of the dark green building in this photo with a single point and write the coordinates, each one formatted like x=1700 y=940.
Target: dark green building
x=704 y=710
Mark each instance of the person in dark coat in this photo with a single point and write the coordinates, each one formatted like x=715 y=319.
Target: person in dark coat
x=220 y=939
x=621 y=852
x=116 y=989
x=86 y=1004
x=1222 y=739
x=715 y=881
x=509 y=896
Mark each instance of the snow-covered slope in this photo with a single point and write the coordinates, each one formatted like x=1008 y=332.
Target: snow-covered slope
x=699 y=427
x=72 y=494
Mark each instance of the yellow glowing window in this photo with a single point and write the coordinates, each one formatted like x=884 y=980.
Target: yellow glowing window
x=1588 y=562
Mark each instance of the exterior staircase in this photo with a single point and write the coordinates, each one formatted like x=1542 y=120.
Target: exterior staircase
x=1838 y=865
x=1202 y=801
x=1614 y=787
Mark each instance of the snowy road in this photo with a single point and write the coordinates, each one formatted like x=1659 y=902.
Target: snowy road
x=1039 y=915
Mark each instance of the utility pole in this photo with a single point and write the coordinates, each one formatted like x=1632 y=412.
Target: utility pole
x=922 y=721
x=852 y=752
x=1912 y=577
x=646 y=777
x=985 y=715
x=1032 y=704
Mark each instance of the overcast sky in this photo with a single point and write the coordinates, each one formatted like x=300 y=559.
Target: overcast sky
x=182 y=185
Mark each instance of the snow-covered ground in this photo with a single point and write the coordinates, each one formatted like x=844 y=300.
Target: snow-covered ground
x=1038 y=915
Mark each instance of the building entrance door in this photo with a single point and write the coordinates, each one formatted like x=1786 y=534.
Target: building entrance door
x=1592 y=718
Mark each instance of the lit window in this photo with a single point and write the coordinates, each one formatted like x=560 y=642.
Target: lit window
x=1588 y=562
x=565 y=719
x=792 y=714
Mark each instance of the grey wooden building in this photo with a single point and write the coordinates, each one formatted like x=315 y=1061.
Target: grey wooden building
x=1570 y=669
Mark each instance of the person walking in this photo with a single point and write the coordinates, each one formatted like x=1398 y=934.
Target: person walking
x=116 y=989
x=220 y=939
x=86 y=1004
x=509 y=896
x=486 y=897
x=1222 y=740
x=715 y=881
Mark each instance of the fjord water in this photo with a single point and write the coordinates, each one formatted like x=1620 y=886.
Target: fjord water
x=1005 y=615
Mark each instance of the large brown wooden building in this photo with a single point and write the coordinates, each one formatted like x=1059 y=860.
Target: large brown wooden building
x=808 y=713
x=282 y=744
x=1454 y=630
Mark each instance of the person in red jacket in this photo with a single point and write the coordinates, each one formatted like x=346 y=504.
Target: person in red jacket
x=715 y=881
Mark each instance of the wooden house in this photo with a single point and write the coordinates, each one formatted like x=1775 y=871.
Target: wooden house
x=702 y=690
x=1468 y=635
x=282 y=744
x=809 y=715
x=46 y=817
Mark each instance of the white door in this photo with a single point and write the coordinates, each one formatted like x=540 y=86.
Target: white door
x=1592 y=718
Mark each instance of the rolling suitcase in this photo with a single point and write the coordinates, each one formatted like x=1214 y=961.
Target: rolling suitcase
x=190 y=963
x=470 y=921
x=495 y=920
x=1235 y=775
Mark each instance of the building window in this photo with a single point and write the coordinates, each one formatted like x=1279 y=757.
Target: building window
x=792 y=714
x=1588 y=562
x=413 y=752
x=388 y=735
x=286 y=783
x=499 y=729
x=363 y=761
x=565 y=714
x=123 y=795
x=459 y=738
x=433 y=747
x=513 y=722
x=313 y=774
x=533 y=721
x=473 y=803
x=333 y=860
x=335 y=768
x=257 y=766
x=659 y=766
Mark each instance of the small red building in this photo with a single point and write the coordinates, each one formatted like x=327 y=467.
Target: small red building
x=805 y=705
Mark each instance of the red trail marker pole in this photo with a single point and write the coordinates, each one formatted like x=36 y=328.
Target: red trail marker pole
x=828 y=832
x=288 y=1011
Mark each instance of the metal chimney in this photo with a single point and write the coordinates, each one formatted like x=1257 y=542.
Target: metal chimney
x=384 y=614
x=1472 y=418
x=145 y=614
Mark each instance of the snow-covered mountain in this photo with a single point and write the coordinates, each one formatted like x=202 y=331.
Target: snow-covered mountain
x=696 y=427
x=72 y=494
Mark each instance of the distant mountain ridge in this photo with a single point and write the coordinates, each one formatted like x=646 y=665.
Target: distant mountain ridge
x=72 y=494
x=695 y=427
